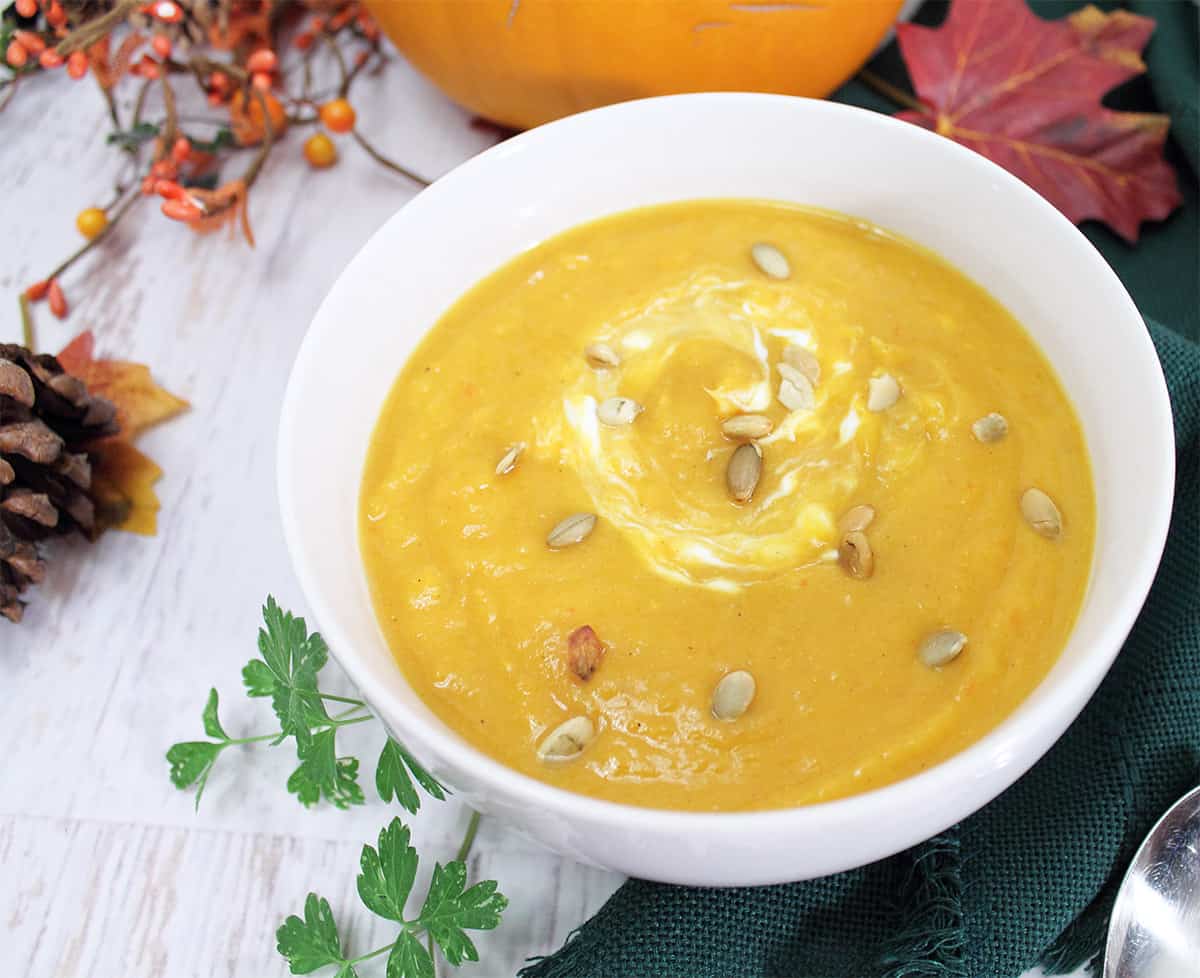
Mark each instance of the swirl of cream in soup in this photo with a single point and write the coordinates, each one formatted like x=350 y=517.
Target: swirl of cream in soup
x=707 y=348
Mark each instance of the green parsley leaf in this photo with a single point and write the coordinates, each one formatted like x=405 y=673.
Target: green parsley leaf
x=259 y=680
x=191 y=762
x=409 y=959
x=392 y=778
x=212 y=725
x=388 y=873
x=450 y=910
x=294 y=658
x=323 y=774
x=313 y=942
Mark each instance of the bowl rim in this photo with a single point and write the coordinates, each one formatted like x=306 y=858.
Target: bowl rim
x=1058 y=709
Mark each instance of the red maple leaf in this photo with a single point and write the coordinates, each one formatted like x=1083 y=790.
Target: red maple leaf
x=1026 y=93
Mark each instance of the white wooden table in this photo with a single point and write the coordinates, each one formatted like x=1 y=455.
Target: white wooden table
x=105 y=869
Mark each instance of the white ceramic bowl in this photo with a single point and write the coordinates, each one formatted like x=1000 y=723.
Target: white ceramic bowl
x=948 y=198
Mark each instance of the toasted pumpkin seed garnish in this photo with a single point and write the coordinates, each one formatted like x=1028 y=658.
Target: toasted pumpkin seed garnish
x=733 y=695
x=940 y=647
x=770 y=260
x=795 y=389
x=601 y=356
x=800 y=357
x=855 y=555
x=991 y=427
x=1041 y=513
x=567 y=741
x=857 y=518
x=617 y=411
x=585 y=652
x=574 y=529
x=744 y=471
x=747 y=426
x=509 y=461
x=882 y=392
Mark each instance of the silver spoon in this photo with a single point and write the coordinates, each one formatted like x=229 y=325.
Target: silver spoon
x=1154 y=931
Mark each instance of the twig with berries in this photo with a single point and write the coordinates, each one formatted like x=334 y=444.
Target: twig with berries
x=229 y=50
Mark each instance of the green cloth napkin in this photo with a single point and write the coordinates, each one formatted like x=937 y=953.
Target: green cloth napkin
x=1031 y=877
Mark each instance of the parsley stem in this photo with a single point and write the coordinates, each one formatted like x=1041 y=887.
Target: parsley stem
x=250 y=740
x=372 y=954
x=464 y=850
x=340 y=699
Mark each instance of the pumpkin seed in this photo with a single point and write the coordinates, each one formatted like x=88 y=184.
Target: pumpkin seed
x=857 y=519
x=601 y=356
x=855 y=555
x=566 y=741
x=617 y=411
x=882 y=392
x=940 y=647
x=574 y=529
x=509 y=461
x=795 y=355
x=795 y=389
x=744 y=471
x=733 y=695
x=747 y=426
x=770 y=260
x=1041 y=513
x=991 y=427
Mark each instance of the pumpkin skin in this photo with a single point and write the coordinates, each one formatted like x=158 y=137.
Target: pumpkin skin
x=524 y=62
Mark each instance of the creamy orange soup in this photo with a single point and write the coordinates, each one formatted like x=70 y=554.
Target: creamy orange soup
x=726 y=505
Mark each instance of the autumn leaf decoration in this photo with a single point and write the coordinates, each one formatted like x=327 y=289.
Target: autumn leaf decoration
x=122 y=477
x=1026 y=93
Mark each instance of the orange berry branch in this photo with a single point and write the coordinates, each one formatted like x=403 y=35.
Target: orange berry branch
x=233 y=54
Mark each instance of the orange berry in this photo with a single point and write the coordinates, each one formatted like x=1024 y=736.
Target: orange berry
x=91 y=221
x=341 y=18
x=320 y=151
x=360 y=59
x=77 y=65
x=56 y=16
x=316 y=25
x=30 y=41
x=16 y=55
x=371 y=31
x=303 y=41
x=260 y=79
x=58 y=301
x=263 y=60
x=146 y=68
x=214 y=98
x=50 y=58
x=148 y=183
x=181 y=210
x=37 y=291
x=162 y=45
x=338 y=115
x=169 y=189
x=27 y=8
x=181 y=149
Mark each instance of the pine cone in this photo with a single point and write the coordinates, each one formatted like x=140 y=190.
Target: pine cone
x=47 y=419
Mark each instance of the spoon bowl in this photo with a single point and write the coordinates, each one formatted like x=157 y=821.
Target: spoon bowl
x=1155 y=927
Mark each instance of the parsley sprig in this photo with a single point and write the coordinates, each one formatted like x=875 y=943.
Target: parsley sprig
x=449 y=910
x=286 y=672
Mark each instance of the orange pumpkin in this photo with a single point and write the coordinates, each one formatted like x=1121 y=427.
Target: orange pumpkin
x=525 y=62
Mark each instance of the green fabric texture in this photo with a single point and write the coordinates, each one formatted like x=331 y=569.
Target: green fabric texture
x=1030 y=878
